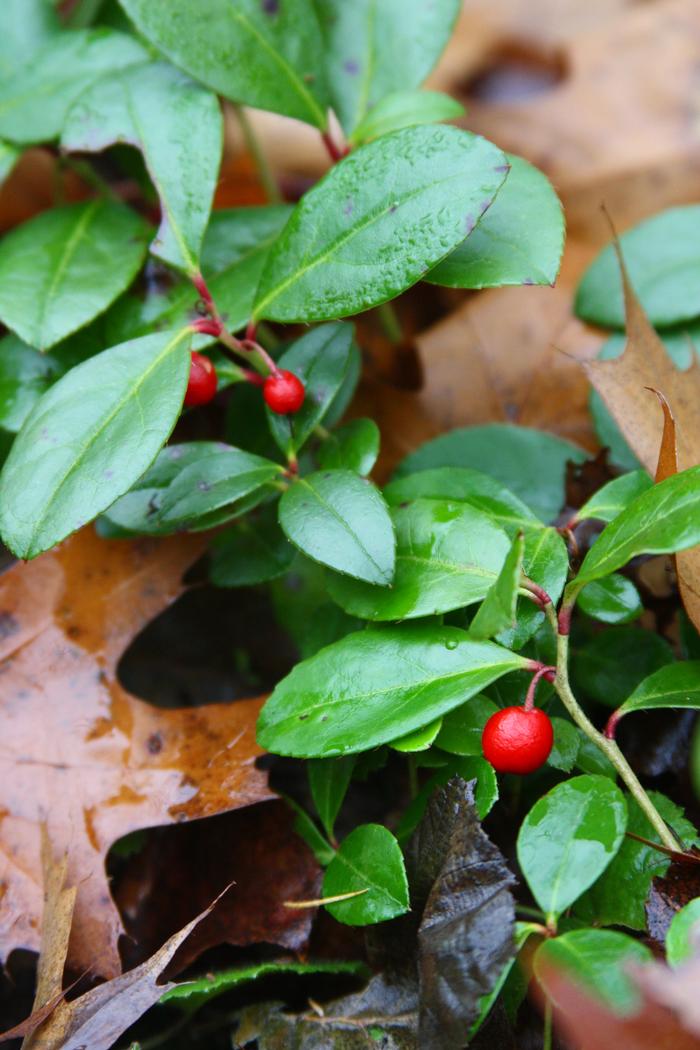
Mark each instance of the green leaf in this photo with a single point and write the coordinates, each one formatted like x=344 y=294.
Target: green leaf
x=214 y=483
x=608 y=433
x=25 y=375
x=25 y=26
x=568 y=839
x=307 y=830
x=461 y=729
x=519 y=240
x=377 y=685
x=329 y=779
x=663 y=260
x=340 y=520
x=369 y=859
x=618 y=897
x=9 y=155
x=376 y=222
x=405 y=109
x=374 y=49
x=590 y=759
x=89 y=438
x=600 y=960
x=675 y=685
x=177 y=126
x=531 y=463
x=472 y=768
x=354 y=446
x=62 y=268
x=498 y=609
x=616 y=496
x=448 y=555
x=566 y=745
x=254 y=550
x=662 y=520
x=683 y=933
x=612 y=599
x=612 y=664
x=34 y=102
x=321 y=359
x=547 y=564
x=419 y=739
x=267 y=55
x=190 y=995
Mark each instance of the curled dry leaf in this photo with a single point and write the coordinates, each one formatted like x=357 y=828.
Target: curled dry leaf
x=82 y=755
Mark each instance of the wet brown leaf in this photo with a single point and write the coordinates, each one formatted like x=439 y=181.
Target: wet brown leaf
x=670 y=893
x=82 y=755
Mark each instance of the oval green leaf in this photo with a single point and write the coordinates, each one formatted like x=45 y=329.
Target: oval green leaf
x=597 y=959
x=675 y=685
x=683 y=937
x=613 y=663
x=254 y=550
x=369 y=860
x=616 y=496
x=612 y=599
x=377 y=221
x=354 y=446
x=340 y=520
x=568 y=839
x=460 y=733
x=89 y=438
x=214 y=483
x=404 y=109
x=376 y=685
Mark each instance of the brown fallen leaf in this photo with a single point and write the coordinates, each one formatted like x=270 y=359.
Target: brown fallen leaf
x=81 y=754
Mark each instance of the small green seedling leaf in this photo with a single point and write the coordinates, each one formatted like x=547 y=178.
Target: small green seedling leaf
x=369 y=859
x=683 y=937
x=354 y=446
x=89 y=438
x=329 y=779
x=504 y=248
x=307 y=830
x=340 y=520
x=376 y=685
x=498 y=609
x=568 y=839
x=177 y=126
x=612 y=599
x=616 y=496
x=404 y=109
x=600 y=960
x=373 y=225
x=62 y=268
x=447 y=556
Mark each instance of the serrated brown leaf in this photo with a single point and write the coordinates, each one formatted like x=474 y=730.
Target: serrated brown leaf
x=81 y=754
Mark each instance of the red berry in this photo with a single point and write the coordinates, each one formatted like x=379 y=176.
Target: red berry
x=517 y=741
x=201 y=385
x=283 y=392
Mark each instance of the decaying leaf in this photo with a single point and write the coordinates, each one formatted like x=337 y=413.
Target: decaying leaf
x=82 y=755
x=668 y=894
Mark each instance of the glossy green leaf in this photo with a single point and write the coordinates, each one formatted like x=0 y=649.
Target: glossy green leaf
x=448 y=555
x=354 y=446
x=308 y=830
x=374 y=49
x=190 y=995
x=320 y=359
x=373 y=225
x=613 y=663
x=404 y=109
x=662 y=520
x=519 y=240
x=25 y=374
x=460 y=733
x=663 y=260
x=675 y=685
x=498 y=609
x=683 y=937
x=329 y=779
x=88 y=439
x=618 y=897
x=254 y=550
x=212 y=483
x=568 y=839
x=9 y=155
x=590 y=759
x=419 y=739
x=612 y=599
x=25 y=26
x=177 y=126
x=531 y=463
x=377 y=685
x=264 y=54
x=547 y=564
x=616 y=496
x=599 y=960
x=340 y=520
x=34 y=102
x=369 y=859
x=566 y=745
x=62 y=268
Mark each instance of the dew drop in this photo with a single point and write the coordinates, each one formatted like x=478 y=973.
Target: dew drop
x=451 y=643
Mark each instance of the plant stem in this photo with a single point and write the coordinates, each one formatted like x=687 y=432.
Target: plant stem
x=412 y=776
x=547 y=1031
x=265 y=173
x=389 y=321
x=608 y=747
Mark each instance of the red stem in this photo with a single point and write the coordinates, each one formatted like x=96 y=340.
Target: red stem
x=538 y=593
x=611 y=725
x=541 y=672
x=334 y=152
x=564 y=620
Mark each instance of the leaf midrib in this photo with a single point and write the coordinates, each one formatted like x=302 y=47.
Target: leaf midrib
x=70 y=247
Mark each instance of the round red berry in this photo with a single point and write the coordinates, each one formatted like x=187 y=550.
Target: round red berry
x=201 y=385
x=517 y=741
x=283 y=392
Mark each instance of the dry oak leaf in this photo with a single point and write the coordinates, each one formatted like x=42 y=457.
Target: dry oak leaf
x=82 y=755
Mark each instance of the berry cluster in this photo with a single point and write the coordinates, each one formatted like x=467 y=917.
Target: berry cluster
x=283 y=392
